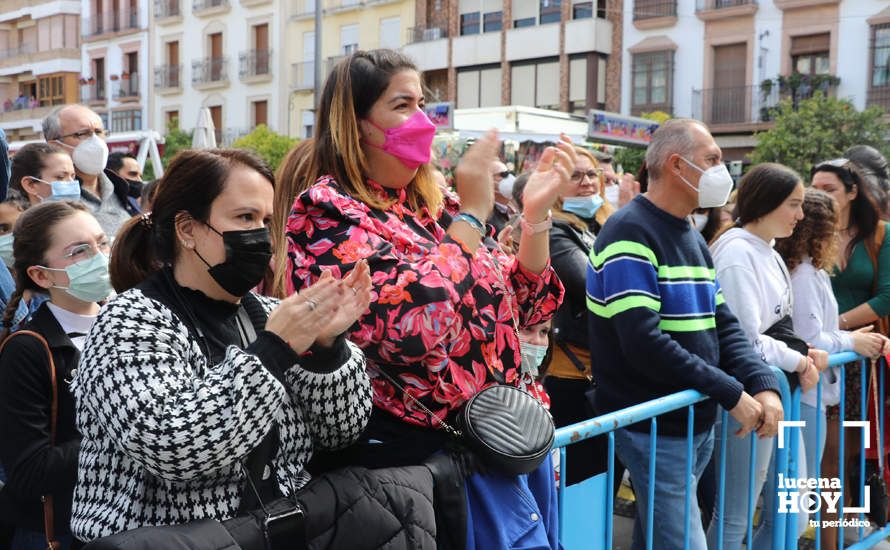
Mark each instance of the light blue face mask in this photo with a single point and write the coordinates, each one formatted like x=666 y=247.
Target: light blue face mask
x=6 y=249
x=532 y=357
x=62 y=190
x=586 y=207
x=88 y=280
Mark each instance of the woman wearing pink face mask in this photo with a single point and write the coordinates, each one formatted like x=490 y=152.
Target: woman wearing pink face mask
x=441 y=322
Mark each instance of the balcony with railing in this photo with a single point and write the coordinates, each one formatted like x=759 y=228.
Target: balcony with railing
x=336 y=6
x=654 y=9
x=719 y=9
x=755 y=105
x=303 y=9
x=879 y=96
x=18 y=51
x=255 y=65
x=93 y=93
x=168 y=77
x=166 y=10
x=209 y=7
x=111 y=22
x=126 y=88
x=303 y=76
x=421 y=34
x=210 y=72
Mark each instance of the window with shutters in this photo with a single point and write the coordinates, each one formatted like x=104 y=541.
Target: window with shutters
x=652 y=82
x=479 y=87
x=481 y=16
x=879 y=79
x=534 y=84
x=810 y=54
x=525 y=13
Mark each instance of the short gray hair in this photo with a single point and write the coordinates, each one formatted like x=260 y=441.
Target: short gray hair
x=673 y=137
x=52 y=125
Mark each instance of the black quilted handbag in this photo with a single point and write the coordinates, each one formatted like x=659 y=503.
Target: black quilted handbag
x=508 y=428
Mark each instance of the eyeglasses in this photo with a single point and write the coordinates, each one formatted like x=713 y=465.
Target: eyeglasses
x=85 y=250
x=85 y=134
x=503 y=174
x=591 y=175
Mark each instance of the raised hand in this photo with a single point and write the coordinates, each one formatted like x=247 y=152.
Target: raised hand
x=473 y=177
x=551 y=178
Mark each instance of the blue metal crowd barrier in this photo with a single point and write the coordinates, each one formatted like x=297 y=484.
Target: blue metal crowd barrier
x=785 y=534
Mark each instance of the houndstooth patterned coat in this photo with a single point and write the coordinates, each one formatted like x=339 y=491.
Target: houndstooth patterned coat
x=164 y=432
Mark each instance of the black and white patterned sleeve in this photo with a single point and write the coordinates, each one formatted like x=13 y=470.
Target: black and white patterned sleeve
x=144 y=381
x=335 y=405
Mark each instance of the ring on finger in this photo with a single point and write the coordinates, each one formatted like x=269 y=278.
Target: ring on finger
x=312 y=304
x=354 y=291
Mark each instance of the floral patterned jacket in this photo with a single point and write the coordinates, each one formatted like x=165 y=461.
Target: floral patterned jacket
x=439 y=320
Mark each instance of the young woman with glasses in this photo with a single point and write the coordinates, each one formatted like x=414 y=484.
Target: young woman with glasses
x=59 y=249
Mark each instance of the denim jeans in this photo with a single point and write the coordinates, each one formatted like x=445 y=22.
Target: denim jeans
x=36 y=540
x=735 y=502
x=670 y=486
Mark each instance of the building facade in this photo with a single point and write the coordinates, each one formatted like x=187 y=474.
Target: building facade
x=115 y=62
x=217 y=54
x=40 y=62
x=347 y=26
x=730 y=62
x=552 y=54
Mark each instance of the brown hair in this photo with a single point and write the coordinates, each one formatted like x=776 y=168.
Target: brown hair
x=763 y=189
x=606 y=210
x=29 y=161
x=31 y=237
x=190 y=184
x=815 y=235
x=295 y=173
x=353 y=87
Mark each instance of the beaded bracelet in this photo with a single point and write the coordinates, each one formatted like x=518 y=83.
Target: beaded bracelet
x=474 y=222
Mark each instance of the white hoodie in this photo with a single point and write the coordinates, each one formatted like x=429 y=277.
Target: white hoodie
x=816 y=321
x=756 y=285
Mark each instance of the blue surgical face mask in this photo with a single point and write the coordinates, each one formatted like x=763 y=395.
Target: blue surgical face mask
x=532 y=357
x=6 y=249
x=586 y=207
x=62 y=190
x=88 y=280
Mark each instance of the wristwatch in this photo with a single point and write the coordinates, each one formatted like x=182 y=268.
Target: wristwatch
x=533 y=228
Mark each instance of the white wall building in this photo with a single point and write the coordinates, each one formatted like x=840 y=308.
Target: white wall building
x=711 y=59
x=115 y=61
x=217 y=54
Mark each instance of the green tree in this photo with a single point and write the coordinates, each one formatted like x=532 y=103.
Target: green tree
x=175 y=141
x=271 y=146
x=820 y=128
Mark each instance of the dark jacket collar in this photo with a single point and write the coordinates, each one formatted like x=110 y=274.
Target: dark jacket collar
x=44 y=322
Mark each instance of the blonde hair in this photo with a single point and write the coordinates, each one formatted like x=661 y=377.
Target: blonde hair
x=604 y=211
x=353 y=87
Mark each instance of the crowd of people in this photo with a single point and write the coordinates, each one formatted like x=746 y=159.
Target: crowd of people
x=195 y=347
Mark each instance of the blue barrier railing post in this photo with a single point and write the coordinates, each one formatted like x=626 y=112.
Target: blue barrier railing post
x=793 y=459
x=561 y=498
x=779 y=523
x=610 y=491
x=863 y=371
x=650 y=505
x=690 y=453
x=721 y=491
x=840 y=468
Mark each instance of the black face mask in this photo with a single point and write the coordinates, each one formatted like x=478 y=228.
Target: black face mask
x=247 y=257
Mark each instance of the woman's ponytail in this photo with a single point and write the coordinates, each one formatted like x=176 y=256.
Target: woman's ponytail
x=133 y=256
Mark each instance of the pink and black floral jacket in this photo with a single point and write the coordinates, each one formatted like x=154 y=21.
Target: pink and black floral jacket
x=439 y=320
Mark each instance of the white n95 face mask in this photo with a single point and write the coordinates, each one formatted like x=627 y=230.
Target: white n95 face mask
x=90 y=155
x=714 y=185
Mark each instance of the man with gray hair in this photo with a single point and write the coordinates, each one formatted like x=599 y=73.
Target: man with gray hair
x=658 y=324
x=80 y=131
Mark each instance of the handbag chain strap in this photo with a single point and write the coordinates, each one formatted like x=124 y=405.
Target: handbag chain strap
x=446 y=426
x=525 y=377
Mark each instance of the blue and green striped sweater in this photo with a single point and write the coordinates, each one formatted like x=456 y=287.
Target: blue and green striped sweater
x=658 y=321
